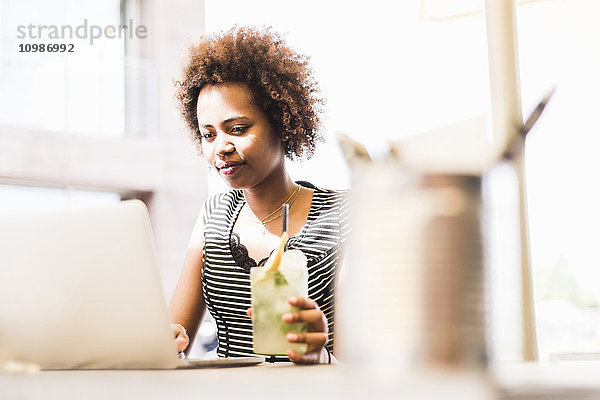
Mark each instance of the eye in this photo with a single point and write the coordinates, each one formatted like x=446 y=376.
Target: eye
x=206 y=135
x=239 y=129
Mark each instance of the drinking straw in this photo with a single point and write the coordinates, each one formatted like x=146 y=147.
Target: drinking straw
x=285 y=209
x=277 y=257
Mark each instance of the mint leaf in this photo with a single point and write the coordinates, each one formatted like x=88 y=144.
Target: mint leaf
x=279 y=279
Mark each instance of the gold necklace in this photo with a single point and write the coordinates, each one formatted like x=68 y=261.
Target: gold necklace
x=292 y=197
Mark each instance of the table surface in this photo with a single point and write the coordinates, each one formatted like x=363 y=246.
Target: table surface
x=276 y=381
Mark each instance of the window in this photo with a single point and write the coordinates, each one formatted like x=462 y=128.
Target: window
x=97 y=89
x=557 y=43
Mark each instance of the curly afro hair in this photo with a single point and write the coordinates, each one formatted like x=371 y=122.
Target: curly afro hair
x=280 y=80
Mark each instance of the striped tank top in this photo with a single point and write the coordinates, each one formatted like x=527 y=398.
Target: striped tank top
x=226 y=269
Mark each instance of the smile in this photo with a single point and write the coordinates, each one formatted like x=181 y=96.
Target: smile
x=230 y=168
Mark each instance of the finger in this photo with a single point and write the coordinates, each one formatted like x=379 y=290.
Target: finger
x=308 y=358
x=177 y=329
x=182 y=335
x=181 y=343
x=309 y=316
x=302 y=303
x=249 y=312
x=313 y=339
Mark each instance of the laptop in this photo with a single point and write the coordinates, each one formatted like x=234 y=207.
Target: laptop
x=80 y=289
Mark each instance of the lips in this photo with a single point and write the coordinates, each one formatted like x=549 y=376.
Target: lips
x=230 y=167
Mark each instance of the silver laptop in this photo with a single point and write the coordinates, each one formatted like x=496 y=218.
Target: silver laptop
x=80 y=289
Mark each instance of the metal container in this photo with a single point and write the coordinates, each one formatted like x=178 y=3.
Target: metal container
x=411 y=291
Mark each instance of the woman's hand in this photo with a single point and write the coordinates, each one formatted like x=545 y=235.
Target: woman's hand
x=182 y=340
x=316 y=333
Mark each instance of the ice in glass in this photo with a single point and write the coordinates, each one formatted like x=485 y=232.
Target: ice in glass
x=271 y=288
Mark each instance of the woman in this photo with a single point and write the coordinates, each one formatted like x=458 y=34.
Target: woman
x=250 y=102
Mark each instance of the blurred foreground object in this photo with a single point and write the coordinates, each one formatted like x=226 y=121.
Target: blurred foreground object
x=413 y=283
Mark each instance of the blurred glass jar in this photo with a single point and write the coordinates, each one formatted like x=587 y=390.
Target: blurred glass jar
x=411 y=291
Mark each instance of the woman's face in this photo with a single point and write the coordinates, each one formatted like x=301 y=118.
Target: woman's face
x=237 y=137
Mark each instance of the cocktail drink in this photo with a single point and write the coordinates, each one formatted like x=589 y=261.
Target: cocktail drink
x=271 y=288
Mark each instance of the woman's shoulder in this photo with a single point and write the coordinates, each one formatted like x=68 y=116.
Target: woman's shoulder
x=323 y=197
x=219 y=201
x=333 y=193
x=330 y=206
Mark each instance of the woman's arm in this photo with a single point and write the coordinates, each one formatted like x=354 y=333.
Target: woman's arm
x=187 y=305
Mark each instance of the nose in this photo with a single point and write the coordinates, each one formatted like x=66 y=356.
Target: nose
x=223 y=145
